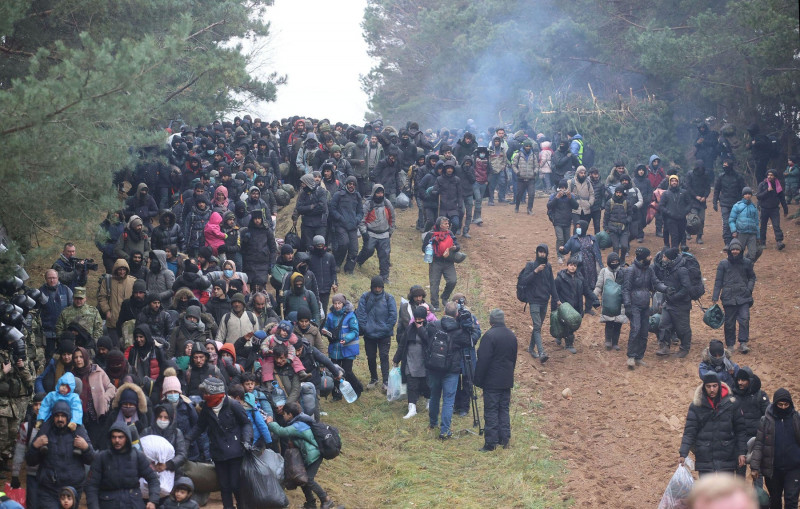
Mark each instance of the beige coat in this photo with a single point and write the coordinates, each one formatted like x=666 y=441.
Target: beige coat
x=110 y=296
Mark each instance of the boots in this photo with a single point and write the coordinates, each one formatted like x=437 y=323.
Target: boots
x=466 y=234
x=412 y=411
x=663 y=349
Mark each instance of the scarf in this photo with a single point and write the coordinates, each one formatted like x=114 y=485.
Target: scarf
x=778 y=188
x=442 y=241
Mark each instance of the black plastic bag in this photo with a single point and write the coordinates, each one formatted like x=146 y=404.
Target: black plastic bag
x=262 y=487
x=294 y=470
x=293 y=239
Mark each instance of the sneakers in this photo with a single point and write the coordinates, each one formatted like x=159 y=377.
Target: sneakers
x=570 y=349
x=466 y=235
x=558 y=341
x=631 y=363
x=533 y=353
x=445 y=436
x=699 y=240
x=561 y=260
x=516 y=210
x=462 y=413
x=743 y=348
x=780 y=246
x=640 y=362
x=616 y=347
x=608 y=345
x=530 y=212
x=543 y=357
x=384 y=388
x=682 y=353
x=663 y=350
x=412 y=411
x=435 y=308
x=372 y=384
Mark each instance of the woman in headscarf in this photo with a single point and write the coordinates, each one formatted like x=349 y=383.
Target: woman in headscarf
x=96 y=393
x=165 y=425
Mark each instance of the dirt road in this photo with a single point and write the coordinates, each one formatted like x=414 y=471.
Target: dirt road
x=621 y=432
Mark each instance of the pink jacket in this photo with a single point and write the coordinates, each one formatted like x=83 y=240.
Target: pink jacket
x=103 y=391
x=214 y=236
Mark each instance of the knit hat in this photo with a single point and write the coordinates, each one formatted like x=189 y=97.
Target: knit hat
x=711 y=378
x=671 y=253
x=213 y=385
x=140 y=285
x=287 y=249
x=420 y=312
x=171 y=383
x=527 y=143
x=782 y=395
x=204 y=252
x=193 y=311
x=260 y=334
x=129 y=396
x=317 y=240
x=716 y=348
x=188 y=266
x=562 y=184
x=747 y=190
x=39 y=397
x=286 y=325
x=304 y=313
x=674 y=177
x=237 y=297
x=66 y=345
x=134 y=221
x=743 y=374
x=339 y=297
x=497 y=317
x=735 y=244
x=219 y=283
x=642 y=253
x=376 y=282
x=104 y=342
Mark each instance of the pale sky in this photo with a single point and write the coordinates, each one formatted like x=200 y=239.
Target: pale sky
x=319 y=45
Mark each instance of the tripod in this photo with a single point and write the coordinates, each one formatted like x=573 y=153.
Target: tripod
x=473 y=396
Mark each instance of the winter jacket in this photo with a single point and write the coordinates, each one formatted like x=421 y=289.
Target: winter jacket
x=606 y=274
x=443 y=236
x=559 y=210
x=159 y=322
x=131 y=241
x=299 y=432
x=148 y=360
x=546 y=158
x=696 y=184
x=46 y=410
x=324 y=267
x=379 y=219
x=656 y=175
x=58 y=465
x=638 y=283
x=385 y=173
x=573 y=246
x=583 y=192
x=752 y=402
x=160 y=282
x=167 y=233
x=564 y=162
x=728 y=188
x=541 y=286
x=448 y=189
x=376 y=314
x=171 y=433
x=525 y=164
x=294 y=300
x=497 y=358
x=58 y=299
x=113 y=290
x=355 y=152
x=573 y=289
x=107 y=235
x=735 y=279
x=716 y=434
x=458 y=338
x=194 y=225
x=601 y=194
x=674 y=204
x=768 y=198
x=103 y=391
x=227 y=430
x=114 y=477
x=744 y=217
x=618 y=215
x=346 y=209
x=314 y=360
x=144 y=415
x=643 y=185
x=464 y=149
x=145 y=208
x=213 y=233
x=676 y=276
x=481 y=170
x=411 y=335
x=725 y=368
x=497 y=159
x=466 y=176
x=233 y=326
x=764 y=450
x=312 y=205
x=259 y=249
x=343 y=325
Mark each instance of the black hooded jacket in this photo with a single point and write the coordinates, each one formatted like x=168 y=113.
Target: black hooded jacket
x=728 y=188
x=227 y=431
x=540 y=287
x=259 y=249
x=751 y=402
x=573 y=289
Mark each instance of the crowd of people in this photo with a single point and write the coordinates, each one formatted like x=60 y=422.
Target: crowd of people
x=217 y=333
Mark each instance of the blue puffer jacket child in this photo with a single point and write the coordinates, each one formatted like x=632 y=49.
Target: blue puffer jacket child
x=72 y=399
x=346 y=317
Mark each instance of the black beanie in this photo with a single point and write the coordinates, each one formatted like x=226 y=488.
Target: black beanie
x=104 y=342
x=642 y=253
x=420 y=312
x=188 y=266
x=304 y=313
x=716 y=348
x=287 y=249
x=204 y=252
x=376 y=282
x=710 y=378
x=671 y=253
x=66 y=345
x=782 y=395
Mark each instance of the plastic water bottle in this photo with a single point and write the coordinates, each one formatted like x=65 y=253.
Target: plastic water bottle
x=347 y=391
x=429 y=252
x=278 y=395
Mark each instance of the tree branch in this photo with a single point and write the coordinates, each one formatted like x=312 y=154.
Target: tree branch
x=192 y=82
x=206 y=29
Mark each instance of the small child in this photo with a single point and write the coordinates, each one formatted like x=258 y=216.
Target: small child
x=65 y=392
x=792 y=175
x=181 y=496
x=429 y=316
x=281 y=335
x=67 y=498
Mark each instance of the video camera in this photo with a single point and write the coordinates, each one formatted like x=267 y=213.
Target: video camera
x=16 y=303
x=85 y=263
x=464 y=317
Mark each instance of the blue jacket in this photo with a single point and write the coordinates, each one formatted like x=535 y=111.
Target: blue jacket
x=349 y=333
x=260 y=429
x=58 y=299
x=377 y=315
x=744 y=217
x=346 y=209
x=74 y=401
x=722 y=370
x=573 y=247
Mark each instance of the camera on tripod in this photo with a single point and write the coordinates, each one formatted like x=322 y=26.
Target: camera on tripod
x=464 y=317
x=84 y=263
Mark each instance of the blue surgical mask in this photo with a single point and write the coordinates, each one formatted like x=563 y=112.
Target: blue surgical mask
x=173 y=398
x=210 y=152
x=578 y=231
x=228 y=273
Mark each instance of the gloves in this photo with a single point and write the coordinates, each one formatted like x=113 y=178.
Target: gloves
x=15 y=484
x=671 y=291
x=72 y=426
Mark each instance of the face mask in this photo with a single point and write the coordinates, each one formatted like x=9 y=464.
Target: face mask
x=173 y=398
x=155 y=266
x=378 y=199
x=578 y=231
x=717 y=361
x=228 y=273
x=613 y=266
x=210 y=152
x=128 y=411
x=541 y=259
x=162 y=424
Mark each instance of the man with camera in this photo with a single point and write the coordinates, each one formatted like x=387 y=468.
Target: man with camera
x=71 y=270
x=16 y=387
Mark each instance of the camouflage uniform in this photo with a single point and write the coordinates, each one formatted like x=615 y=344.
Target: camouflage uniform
x=16 y=388
x=35 y=341
x=87 y=316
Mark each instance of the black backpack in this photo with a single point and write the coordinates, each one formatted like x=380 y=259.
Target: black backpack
x=696 y=289
x=523 y=290
x=329 y=442
x=439 y=351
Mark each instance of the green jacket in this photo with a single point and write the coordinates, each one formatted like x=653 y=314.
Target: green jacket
x=300 y=433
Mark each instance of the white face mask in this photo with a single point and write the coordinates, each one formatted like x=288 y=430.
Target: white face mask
x=162 y=424
x=578 y=231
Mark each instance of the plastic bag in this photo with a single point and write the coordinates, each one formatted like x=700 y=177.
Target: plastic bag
x=654 y=323
x=402 y=201
x=658 y=303
x=395 y=381
x=263 y=488
x=15 y=494
x=603 y=239
x=274 y=462
x=203 y=475
x=612 y=298
x=569 y=318
x=158 y=450
x=714 y=317
x=693 y=223
x=677 y=493
x=294 y=470
x=556 y=329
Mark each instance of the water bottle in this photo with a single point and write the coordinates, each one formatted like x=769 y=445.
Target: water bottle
x=429 y=252
x=278 y=395
x=347 y=391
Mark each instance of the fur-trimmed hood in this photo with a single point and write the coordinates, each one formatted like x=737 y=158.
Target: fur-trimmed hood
x=142 y=399
x=699 y=395
x=707 y=355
